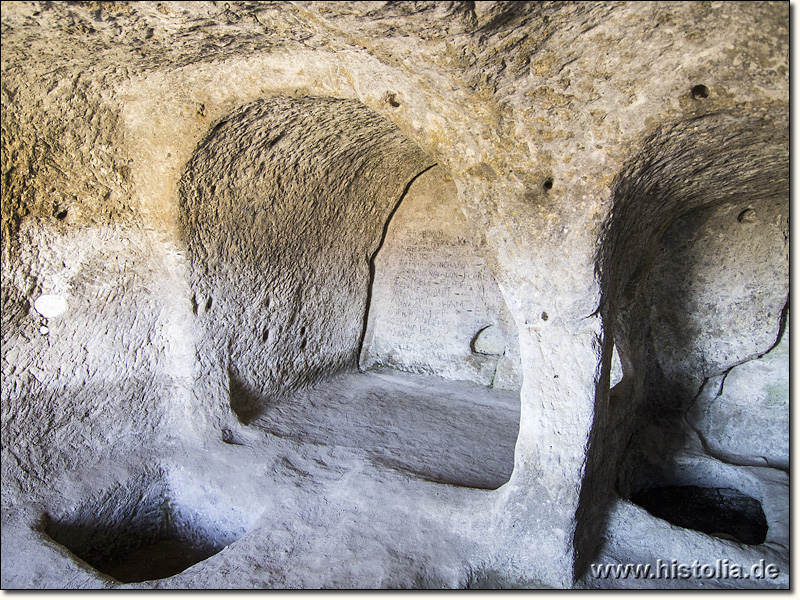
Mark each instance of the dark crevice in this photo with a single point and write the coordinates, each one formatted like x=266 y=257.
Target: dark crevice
x=721 y=512
x=781 y=328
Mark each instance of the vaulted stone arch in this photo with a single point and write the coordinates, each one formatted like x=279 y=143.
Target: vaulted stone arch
x=694 y=284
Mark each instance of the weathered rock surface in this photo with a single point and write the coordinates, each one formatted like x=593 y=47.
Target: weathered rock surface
x=718 y=286
x=423 y=425
x=435 y=306
x=757 y=393
x=282 y=208
x=212 y=211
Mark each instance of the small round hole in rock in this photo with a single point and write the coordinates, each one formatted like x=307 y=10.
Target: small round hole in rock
x=699 y=91
x=721 y=512
x=393 y=101
x=228 y=438
x=548 y=184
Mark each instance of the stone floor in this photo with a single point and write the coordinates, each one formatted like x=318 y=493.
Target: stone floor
x=368 y=481
x=451 y=432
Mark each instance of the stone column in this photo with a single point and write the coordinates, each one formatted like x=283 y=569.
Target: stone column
x=543 y=258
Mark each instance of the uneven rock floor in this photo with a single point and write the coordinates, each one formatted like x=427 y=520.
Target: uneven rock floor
x=365 y=481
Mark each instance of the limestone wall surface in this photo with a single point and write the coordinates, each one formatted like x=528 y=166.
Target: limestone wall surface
x=435 y=305
x=208 y=207
x=282 y=208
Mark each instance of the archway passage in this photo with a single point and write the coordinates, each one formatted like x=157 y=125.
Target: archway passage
x=695 y=272
x=284 y=207
x=282 y=204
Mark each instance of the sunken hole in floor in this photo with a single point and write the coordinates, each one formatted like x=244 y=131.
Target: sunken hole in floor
x=137 y=532
x=721 y=512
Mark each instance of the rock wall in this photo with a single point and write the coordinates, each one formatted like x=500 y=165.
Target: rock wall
x=283 y=207
x=667 y=247
x=719 y=293
x=206 y=188
x=742 y=415
x=718 y=286
x=82 y=383
x=435 y=306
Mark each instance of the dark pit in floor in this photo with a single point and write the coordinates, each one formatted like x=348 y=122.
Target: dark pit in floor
x=722 y=512
x=137 y=532
x=155 y=560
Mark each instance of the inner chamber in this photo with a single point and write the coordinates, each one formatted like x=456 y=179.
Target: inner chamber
x=435 y=307
x=695 y=276
x=317 y=234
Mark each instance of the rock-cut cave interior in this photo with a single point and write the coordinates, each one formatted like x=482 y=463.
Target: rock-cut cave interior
x=383 y=295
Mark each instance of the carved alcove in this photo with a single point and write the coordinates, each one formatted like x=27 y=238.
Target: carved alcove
x=316 y=233
x=435 y=306
x=695 y=266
